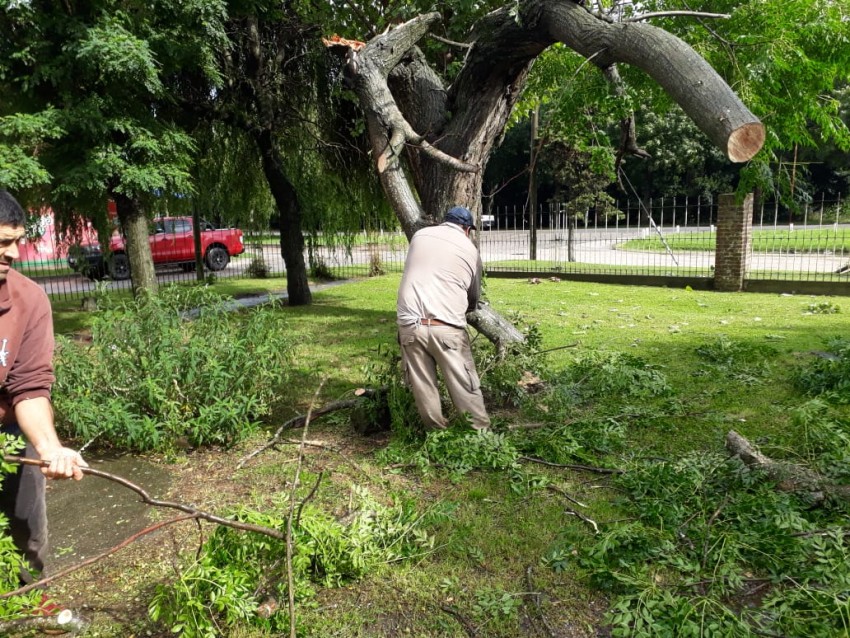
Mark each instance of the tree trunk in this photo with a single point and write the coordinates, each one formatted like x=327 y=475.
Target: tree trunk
x=446 y=134
x=494 y=327
x=291 y=239
x=788 y=477
x=134 y=225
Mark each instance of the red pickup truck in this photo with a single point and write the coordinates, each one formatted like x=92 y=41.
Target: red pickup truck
x=172 y=242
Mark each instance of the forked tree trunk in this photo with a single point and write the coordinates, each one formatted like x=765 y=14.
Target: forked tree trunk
x=134 y=225
x=431 y=141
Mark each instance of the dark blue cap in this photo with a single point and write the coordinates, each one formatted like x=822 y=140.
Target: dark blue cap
x=460 y=215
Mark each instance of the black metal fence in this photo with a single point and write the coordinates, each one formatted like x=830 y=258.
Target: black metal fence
x=665 y=237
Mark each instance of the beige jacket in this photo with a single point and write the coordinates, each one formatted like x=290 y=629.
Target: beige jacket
x=442 y=277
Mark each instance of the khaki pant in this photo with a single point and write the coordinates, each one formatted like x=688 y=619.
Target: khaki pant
x=423 y=348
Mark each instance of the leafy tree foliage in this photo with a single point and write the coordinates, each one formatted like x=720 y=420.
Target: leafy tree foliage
x=91 y=103
x=788 y=61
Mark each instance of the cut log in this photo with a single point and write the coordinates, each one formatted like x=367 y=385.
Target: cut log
x=789 y=477
x=494 y=327
x=372 y=414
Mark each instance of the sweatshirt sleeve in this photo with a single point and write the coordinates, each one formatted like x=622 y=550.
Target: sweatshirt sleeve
x=31 y=375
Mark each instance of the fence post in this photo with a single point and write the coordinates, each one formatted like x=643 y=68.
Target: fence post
x=734 y=237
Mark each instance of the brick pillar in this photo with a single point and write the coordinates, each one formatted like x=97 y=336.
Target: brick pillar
x=734 y=237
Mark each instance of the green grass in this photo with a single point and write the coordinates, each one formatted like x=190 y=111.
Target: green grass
x=494 y=539
x=817 y=241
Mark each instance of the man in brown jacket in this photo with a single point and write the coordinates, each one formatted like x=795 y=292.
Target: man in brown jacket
x=441 y=283
x=26 y=377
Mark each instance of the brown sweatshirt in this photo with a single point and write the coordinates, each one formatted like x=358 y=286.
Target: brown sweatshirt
x=26 y=343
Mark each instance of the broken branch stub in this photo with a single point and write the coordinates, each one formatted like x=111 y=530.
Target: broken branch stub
x=789 y=477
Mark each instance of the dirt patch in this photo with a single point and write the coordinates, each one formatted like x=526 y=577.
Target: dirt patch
x=90 y=516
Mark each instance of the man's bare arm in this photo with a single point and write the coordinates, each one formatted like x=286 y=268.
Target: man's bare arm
x=35 y=418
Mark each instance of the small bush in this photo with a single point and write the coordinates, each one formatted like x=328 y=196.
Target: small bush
x=376 y=266
x=11 y=561
x=152 y=377
x=258 y=268
x=319 y=269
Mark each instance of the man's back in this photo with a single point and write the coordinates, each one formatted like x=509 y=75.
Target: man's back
x=441 y=270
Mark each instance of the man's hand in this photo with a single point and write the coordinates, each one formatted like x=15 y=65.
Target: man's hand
x=65 y=463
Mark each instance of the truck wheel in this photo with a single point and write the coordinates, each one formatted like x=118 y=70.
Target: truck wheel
x=96 y=271
x=217 y=258
x=119 y=267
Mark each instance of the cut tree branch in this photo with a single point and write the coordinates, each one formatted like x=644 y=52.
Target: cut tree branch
x=90 y=561
x=789 y=477
x=290 y=576
x=148 y=500
x=301 y=419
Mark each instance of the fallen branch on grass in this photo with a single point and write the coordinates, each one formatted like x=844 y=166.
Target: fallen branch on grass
x=63 y=623
x=301 y=420
x=290 y=577
x=536 y=598
x=558 y=490
x=575 y=513
x=468 y=627
x=146 y=498
x=581 y=468
x=90 y=561
x=789 y=477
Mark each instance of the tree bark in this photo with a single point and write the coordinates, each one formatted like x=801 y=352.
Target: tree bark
x=494 y=327
x=291 y=239
x=134 y=225
x=788 y=477
x=448 y=133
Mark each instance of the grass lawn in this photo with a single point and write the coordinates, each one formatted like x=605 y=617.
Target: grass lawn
x=820 y=240
x=503 y=559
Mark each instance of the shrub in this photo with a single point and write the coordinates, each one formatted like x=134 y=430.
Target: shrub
x=612 y=374
x=501 y=372
x=236 y=572
x=11 y=561
x=152 y=376
x=258 y=268
x=829 y=374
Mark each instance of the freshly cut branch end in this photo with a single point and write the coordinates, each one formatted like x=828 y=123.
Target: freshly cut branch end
x=745 y=141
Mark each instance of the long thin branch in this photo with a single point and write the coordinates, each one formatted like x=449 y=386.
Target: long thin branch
x=582 y=468
x=558 y=490
x=672 y=14
x=297 y=422
x=454 y=43
x=290 y=577
x=536 y=598
x=148 y=500
x=70 y=570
